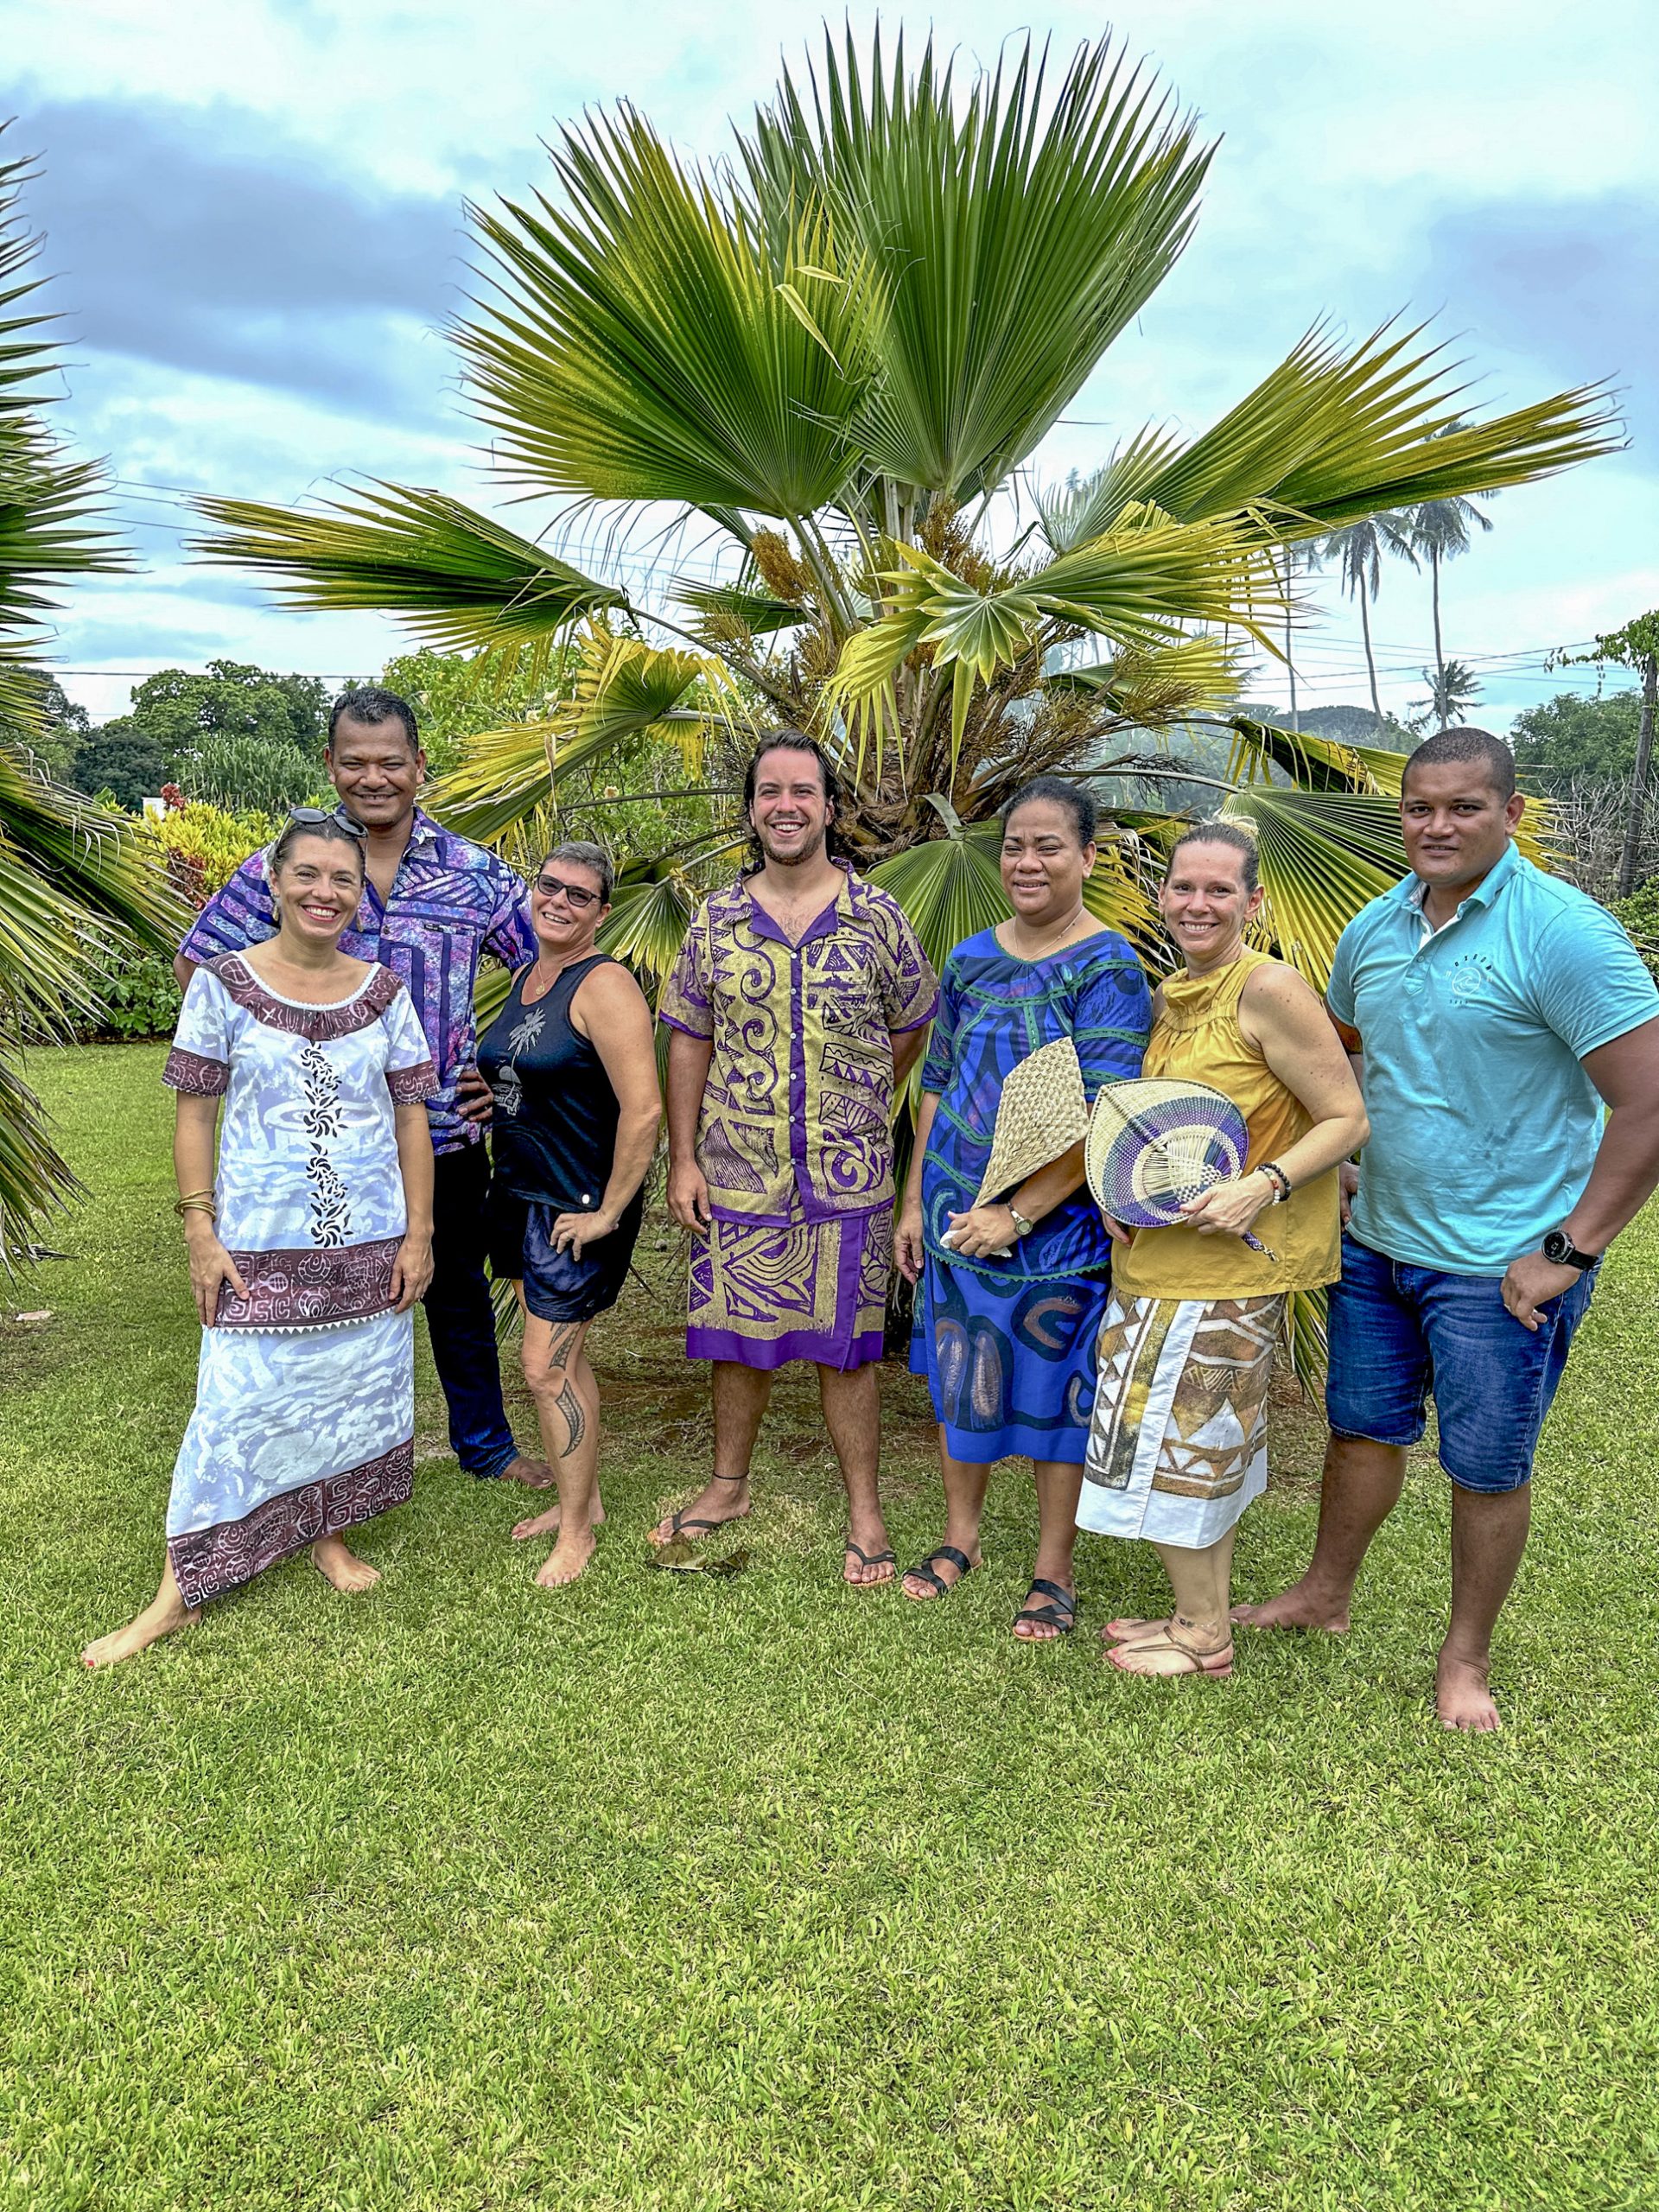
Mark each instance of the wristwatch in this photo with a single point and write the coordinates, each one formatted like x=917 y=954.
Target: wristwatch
x=1562 y=1252
x=1021 y=1226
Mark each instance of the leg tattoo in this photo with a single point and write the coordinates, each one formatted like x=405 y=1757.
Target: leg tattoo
x=558 y=1350
x=575 y=1420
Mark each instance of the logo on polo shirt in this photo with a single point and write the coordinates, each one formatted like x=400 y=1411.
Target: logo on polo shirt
x=1469 y=978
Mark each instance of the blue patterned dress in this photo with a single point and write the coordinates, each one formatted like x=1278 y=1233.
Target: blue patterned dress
x=1007 y=1346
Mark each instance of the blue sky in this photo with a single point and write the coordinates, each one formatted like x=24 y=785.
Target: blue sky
x=255 y=210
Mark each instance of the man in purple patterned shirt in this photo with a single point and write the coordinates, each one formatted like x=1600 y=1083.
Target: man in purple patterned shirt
x=433 y=904
x=800 y=1001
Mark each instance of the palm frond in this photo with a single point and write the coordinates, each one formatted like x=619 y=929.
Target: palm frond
x=651 y=911
x=1323 y=855
x=1333 y=434
x=659 y=339
x=459 y=580
x=948 y=888
x=1155 y=685
x=1315 y=763
x=1014 y=236
x=622 y=688
x=721 y=608
x=1073 y=514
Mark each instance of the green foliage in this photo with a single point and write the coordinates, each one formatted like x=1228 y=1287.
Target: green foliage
x=1639 y=916
x=1569 y=739
x=124 y=759
x=182 y=707
x=138 y=997
x=858 y=1906
x=205 y=845
x=250 y=773
x=459 y=695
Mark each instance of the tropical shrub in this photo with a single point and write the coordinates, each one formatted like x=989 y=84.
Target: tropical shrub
x=1639 y=916
x=265 y=775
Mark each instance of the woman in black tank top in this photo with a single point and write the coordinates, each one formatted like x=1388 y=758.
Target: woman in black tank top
x=570 y=1064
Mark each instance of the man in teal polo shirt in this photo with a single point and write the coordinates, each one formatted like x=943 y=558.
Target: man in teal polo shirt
x=1494 y=1011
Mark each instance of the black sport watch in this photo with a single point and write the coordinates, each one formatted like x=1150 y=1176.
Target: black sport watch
x=1562 y=1252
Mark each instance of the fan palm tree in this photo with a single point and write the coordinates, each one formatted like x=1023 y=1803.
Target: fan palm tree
x=74 y=881
x=1358 y=549
x=833 y=354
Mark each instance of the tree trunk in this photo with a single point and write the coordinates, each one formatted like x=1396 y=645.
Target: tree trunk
x=1630 y=857
x=1439 y=656
x=1371 y=657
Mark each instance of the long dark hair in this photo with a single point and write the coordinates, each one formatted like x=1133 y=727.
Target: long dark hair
x=790 y=740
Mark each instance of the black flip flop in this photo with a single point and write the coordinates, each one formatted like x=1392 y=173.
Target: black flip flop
x=1061 y=1615
x=870 y=1559
x=925 y=1572
x=679 y=1525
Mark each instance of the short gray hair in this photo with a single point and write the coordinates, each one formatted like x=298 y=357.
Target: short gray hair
x=591 y=857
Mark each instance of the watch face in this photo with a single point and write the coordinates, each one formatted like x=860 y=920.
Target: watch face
x=1556 y=1247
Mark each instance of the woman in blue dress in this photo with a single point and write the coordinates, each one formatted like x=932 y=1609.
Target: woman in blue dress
x=1008 y=1344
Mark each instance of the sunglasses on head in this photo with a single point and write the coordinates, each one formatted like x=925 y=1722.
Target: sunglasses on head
x=577 y=897
x=311 y=817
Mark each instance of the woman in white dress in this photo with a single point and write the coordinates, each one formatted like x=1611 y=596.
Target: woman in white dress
x=307 y=1250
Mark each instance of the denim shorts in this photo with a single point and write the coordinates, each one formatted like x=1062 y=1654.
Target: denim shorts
x=1398 y=1332
x=558 y=1286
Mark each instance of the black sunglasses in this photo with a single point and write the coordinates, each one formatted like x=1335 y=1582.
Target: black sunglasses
x=312 y=817
x=547 y=885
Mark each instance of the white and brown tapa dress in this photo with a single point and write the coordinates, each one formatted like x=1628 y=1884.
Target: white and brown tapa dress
x=304 y=1423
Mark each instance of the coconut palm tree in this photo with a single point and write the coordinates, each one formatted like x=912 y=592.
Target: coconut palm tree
x=1452 y=689
x=1440 y=528
x=834 y=355
x=1358 y=549
x=73 y=879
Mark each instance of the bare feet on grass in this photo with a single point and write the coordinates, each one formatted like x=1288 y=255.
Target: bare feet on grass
x=547 y=1524
x=1301 y=1606
x=1461 y=1697
x=534 y=1474
x=161 y=1618
x=566 y=1560
x=1130 y=1628
x=341 y=1567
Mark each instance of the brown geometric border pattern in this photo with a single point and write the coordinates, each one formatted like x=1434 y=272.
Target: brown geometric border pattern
x=318 y=1024
x=308 y=1288
x=206 y=1562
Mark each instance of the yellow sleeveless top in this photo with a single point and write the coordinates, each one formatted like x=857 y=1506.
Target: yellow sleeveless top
x=1197 y=1034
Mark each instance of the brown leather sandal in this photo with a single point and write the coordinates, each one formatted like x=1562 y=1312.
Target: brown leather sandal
x=1216 y=1664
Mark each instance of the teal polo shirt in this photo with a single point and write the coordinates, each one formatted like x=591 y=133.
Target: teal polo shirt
x=1483 y=1125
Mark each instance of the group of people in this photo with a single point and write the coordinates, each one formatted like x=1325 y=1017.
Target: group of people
x=1479 y=1019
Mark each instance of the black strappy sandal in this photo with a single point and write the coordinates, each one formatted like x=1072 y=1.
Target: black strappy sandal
x=1061 y=1614
x=926 y=1572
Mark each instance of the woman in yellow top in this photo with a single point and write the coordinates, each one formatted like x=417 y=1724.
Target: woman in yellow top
x=1178 y=1441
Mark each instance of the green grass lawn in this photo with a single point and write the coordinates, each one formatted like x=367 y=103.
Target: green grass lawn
x=759 y=1893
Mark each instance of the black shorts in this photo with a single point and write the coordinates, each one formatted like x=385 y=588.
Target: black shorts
x=558 y=1286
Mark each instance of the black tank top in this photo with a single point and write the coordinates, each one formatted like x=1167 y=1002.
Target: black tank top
x=554 y=1129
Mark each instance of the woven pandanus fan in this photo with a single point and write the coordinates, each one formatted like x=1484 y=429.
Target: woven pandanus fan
x=1154 y=1144
x=1041 y=1114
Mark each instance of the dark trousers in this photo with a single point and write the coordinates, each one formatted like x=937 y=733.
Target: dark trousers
x=459 y=1318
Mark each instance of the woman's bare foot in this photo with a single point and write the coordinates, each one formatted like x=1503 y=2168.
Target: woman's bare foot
x=1300 y=1607
x=566 y=1560
x=534 y=1474
x=162 y=1617
x=1184 y=1647
x=1461 y=1697
x=547 y=1524
x=1128 y=1629
x=724 y=1497
x=341 y=1567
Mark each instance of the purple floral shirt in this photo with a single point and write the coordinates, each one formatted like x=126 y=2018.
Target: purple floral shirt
x=450 y=903
x=798 y=1103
